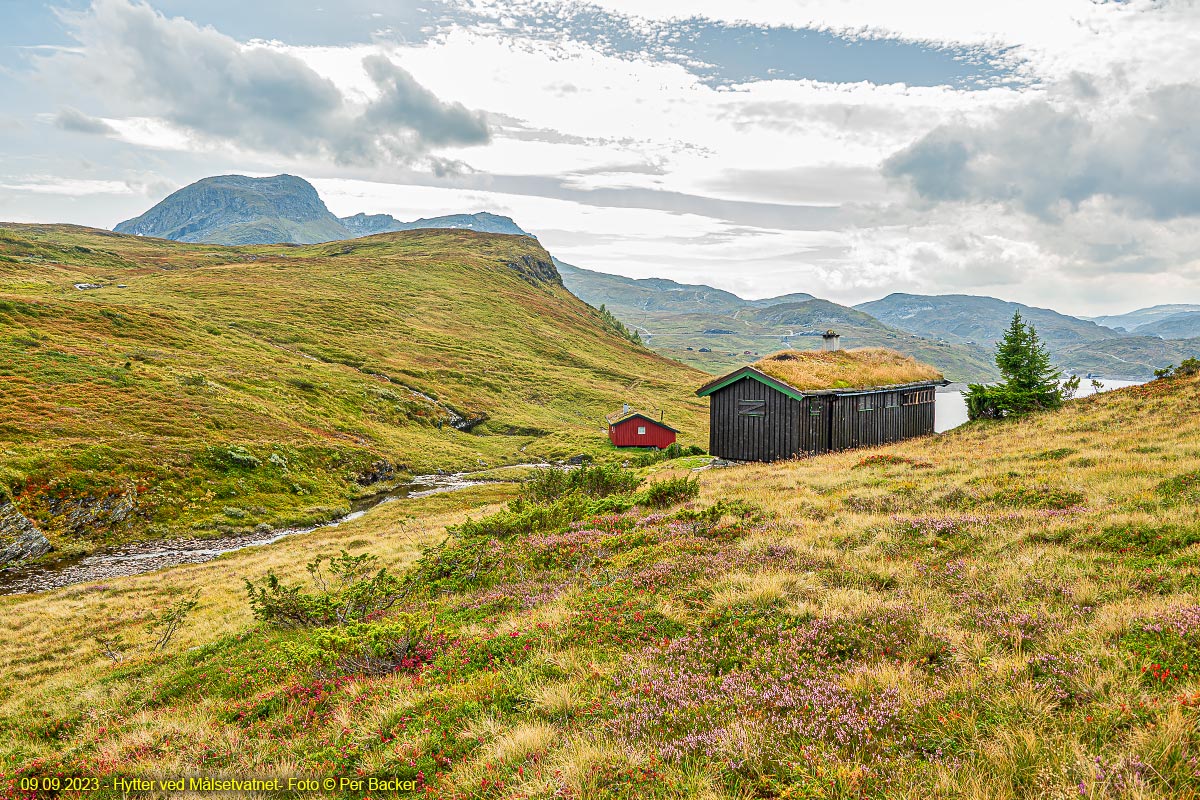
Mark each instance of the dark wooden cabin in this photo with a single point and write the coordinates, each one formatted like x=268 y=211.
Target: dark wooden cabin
x=758 y=416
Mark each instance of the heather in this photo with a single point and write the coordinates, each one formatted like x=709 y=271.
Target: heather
x=1005 y=611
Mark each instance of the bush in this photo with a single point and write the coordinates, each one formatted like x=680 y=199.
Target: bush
x=551 y=484
x=890 y=460
x=1181 y=489
x=523 y=516
x=349 y=593
x=661 y=494
x=1186 y=368
x=359 y=648
x=1040 y=496
x=671 y=451
x=1149 y=539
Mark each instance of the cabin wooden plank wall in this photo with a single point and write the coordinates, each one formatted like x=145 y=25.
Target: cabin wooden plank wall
x=752 y=422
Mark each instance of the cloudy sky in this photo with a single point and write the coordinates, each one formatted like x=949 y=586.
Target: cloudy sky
x=1046 y=151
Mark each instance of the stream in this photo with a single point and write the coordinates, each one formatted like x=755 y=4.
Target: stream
x=141 y=557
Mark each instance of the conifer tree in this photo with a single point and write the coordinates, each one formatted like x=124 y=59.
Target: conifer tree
x=1029 y=382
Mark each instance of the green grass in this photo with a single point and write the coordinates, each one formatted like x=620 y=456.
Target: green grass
x=266 y=379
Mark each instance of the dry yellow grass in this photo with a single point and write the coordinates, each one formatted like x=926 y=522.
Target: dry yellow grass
x=845 y=369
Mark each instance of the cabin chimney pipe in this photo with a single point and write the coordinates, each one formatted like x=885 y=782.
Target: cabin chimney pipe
x=831 y=341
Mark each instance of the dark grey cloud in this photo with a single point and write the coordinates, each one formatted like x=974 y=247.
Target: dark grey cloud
x=1048 y=159
x=74 y=120
x=405 y=102
x=258 y=97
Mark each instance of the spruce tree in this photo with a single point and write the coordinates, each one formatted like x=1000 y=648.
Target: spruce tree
x=1029 y=382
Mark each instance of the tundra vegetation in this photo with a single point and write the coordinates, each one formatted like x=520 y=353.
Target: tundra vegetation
x=845 y=369
x=1008 y=610
x=200 y=389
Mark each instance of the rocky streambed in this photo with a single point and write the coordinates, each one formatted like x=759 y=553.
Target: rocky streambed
x=142 y=557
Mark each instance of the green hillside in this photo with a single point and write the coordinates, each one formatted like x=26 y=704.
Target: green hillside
x=228 y=387
x=982 y=320
x=1134 y=356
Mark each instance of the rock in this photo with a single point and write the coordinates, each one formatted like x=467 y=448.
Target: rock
x=579 y=460
x=84 y=286
x=19 y=538
x=380 y=470
x=85 y=513
x=535 y=270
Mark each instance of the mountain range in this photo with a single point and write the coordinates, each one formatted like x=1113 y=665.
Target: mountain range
x=283 y=209
x=712 y=329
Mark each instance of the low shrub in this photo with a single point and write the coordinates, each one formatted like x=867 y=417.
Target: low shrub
x=352 y=591
x=1149 y=539
x=548 y=485
x=890 y=460
x=1043 y=496
x=1166 y=647
x=671 y=451
x=523 y=516
x=1183 y=488
x=661 y=494
x=1186 y=368
x=364 y=648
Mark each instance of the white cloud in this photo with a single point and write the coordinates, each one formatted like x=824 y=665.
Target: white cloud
x=68 y=187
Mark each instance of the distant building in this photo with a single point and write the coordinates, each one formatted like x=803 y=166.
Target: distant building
x=637 y=429
x=797 y=403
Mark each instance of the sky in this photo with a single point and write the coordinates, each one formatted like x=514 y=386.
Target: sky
x=1042 y=151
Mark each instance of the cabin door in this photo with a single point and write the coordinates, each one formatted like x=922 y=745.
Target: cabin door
x=815 y=421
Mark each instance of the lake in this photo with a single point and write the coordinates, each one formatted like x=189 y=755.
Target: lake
x=950 y=407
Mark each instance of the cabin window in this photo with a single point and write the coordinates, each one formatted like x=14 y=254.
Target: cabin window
x=891 y=402
x=918 y=397
x=641 y=430
x=752 y=408
x=866 y=403
x=814 y=410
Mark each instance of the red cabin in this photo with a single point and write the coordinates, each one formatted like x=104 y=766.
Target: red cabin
x=639 y=430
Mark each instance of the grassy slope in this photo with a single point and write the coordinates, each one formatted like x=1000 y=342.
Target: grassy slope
x=984 y=614
x=163 y=395
x=1134 y=356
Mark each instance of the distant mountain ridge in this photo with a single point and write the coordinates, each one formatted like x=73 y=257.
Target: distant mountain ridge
x=1184 y=325
x=282 y=209
x=979 y=320
x=238 y=210
x=370 y=224
x=717 y=331
x=1133 y=320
